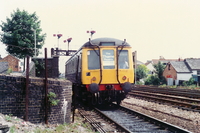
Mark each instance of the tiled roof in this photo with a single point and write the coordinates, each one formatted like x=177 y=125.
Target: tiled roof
x=180 y=66
x=155 y=61
x=11 y=57
x=3 y=67
x=194 y=64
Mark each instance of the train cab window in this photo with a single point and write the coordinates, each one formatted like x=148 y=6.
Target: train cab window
x=93 y=59
x=123 y=61
x=108 y=59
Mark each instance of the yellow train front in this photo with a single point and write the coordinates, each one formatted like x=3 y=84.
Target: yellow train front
x=101 y=71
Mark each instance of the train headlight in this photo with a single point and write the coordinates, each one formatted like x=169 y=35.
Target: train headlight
x=124 y=78
x=94 y=79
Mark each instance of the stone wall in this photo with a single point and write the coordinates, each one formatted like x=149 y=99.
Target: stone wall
x=13 y=95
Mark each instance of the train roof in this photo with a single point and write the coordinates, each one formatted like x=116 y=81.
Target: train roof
x=98 y=42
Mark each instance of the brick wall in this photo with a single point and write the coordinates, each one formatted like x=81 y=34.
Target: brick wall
x=12 y=62
x=170 y=72
x=52 y=67
x=12 y=99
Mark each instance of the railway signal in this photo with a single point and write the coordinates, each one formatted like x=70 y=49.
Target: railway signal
x=91 y=32
x=59 y=36
x=68 y=40
x=60 y=52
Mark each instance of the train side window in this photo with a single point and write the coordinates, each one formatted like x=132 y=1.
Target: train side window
x=93 y=60
x=108 y=59
x=123 y=61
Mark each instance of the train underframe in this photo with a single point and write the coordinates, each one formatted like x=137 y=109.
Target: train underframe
x=101 y=97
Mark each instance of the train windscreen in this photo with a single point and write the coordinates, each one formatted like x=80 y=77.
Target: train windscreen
x=93 y=59
x=123 y=61
x=108 y=59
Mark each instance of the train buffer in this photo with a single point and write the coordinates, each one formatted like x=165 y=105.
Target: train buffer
x=4 y=128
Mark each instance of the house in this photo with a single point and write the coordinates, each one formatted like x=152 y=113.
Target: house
x=138 y=63
x=149 y=64
x=3 y=67
x=194 y=65
x=177 y=71
x=13 y=62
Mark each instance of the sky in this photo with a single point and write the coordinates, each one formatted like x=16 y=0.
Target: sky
x=154 y=28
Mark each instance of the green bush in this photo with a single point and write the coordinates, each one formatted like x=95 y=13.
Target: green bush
x=189 y=83
x=139 y=83
x=9 y=71
x=52 y=100
x=152 y=80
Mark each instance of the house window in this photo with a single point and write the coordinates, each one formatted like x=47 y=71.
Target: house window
x=198 y=72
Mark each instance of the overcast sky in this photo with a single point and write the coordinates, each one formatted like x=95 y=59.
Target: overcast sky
x=154 y=28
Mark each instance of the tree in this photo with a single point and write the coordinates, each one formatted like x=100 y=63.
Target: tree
x=18 y=34
x=159 y=68
x=158 y=78
x=141 y=72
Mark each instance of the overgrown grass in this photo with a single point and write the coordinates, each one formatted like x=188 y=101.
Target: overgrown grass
x=12 y=129
x=65 y=128
x=78 y=126
x=8 y=118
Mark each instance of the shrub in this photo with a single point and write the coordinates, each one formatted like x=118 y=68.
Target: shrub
x=139 y=83
x=52 y=100
x=9 y=71
x=152 y=80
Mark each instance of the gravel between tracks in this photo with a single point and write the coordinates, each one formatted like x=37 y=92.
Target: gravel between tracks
x=185 y=119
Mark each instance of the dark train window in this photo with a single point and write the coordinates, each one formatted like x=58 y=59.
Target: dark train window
x=107 y=44
x=108 y=59
x=93 y=59
x=123 y=61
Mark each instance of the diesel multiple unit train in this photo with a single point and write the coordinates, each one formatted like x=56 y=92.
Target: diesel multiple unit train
x=101 y=71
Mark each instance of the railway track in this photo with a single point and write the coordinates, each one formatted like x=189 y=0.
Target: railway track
x=4 y=128
x=185 y=103
x=180 y=102
x=169 y=91
x=122 y=119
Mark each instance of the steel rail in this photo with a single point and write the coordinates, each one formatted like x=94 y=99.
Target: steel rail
x=170 y=91
x=163 y=125
x=161 y=97
x=160 y=123
x=168 y=96
x=96 y=125
x=4 y=128
x=122 y=128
